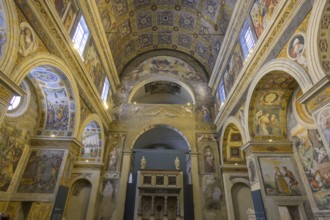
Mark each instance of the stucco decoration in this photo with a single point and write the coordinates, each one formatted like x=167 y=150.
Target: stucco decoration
x=28 y=42
x=232 y=141
x=195 y=27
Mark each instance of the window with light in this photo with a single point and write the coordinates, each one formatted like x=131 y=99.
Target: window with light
x=247 y=39
x=80 y=36
x=105 y=90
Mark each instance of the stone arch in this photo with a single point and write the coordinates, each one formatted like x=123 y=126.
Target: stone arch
x=174 y=79
x=318 y=55
x=134 y=137
x=9 y=58
x=93 y=118
x=231 y=121
x=45 y=59
x=280 y=66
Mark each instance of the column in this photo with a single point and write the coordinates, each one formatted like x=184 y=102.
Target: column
x=165 y=207
x=196 y=187
x=123 y=184
x=152 y=213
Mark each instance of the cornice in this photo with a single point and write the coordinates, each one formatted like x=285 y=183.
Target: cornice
x=12 y=87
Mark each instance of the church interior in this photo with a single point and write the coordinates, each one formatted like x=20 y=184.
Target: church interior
x=165 y=109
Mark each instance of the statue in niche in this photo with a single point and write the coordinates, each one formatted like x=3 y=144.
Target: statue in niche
x=177 y=163
x=209 y=160
x=113 y=159
x=143 y=163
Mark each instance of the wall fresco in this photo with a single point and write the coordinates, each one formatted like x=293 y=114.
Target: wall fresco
x=261 y=13
x=279 y=176
x=3 y=29
x=41 y=171
x=92 y=141
x=313 y=158
x=324 y=123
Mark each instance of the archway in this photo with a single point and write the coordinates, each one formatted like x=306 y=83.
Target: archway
x=161 y=152
x=242 y=200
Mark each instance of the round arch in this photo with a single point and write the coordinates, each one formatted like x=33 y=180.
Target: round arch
x=235 y=121
x=282 y=65
x=8 y=61
x=152 y=126
x=163 y=78
x=42 y=59
x=312 y=42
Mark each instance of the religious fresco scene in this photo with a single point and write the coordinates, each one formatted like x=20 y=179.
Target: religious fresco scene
x=279 y=176
x=92 y=142
x=165 y=109
x=42 y=169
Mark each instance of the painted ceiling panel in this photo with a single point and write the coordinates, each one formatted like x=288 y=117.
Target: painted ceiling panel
x=195 y=27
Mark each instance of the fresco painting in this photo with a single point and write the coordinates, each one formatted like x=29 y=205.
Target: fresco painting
x=279 y=176
x=324 y=122
x=261 y=13
x=92 y=141
x=41 y=171
x=267 y=122
x=12 y=143
x=313 y=158
x=61 y=6
x=296 y=49
x=3 y=29
x=57 y=109
x=93 y=65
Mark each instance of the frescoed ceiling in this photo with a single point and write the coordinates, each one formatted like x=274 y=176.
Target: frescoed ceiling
x=195 y=27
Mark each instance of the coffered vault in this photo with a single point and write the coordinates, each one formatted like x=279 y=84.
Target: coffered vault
x=195 y=27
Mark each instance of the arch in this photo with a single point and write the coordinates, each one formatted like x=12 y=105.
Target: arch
x=230 y=121
x=161 y=77
x=152 y=126
x=90 y=119
x=312 y=42
x=280 y=65
x=45 y=59
x=8 y=61
x=241 y=199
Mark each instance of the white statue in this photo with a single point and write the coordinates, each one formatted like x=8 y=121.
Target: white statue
x=143 y=163
x=177 y=163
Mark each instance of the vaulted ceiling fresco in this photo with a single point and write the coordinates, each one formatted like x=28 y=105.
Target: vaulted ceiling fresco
x=196 y=27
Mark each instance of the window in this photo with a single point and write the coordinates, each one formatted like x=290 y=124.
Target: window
x=14 y=102
x=247 y=39
x=80 y=36
x=222 y=94
x=105 y=90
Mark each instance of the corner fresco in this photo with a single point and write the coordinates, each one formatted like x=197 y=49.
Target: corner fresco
x=261 y=13
x=3 y=29
x=58 y=103
x=13 y=140
x=314 y=159
x=28 y=42
x=94 y=66
x=296 y=49
x=41 y=171
x=279 y=176
x=324 y=123
x=92 y=141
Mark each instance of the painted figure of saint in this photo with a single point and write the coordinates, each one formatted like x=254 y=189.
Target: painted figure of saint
x=281 y=185
x=292 y=179
x=209 y=161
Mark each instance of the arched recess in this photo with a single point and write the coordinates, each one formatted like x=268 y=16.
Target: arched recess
x=9 y=35
x=78 y=200
x=318 y=39
x=185 y=93
x=64 y=76
x=133 y=137
x=231 y=139
x=268 y=97
x=242 y=200
x=91 y=135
